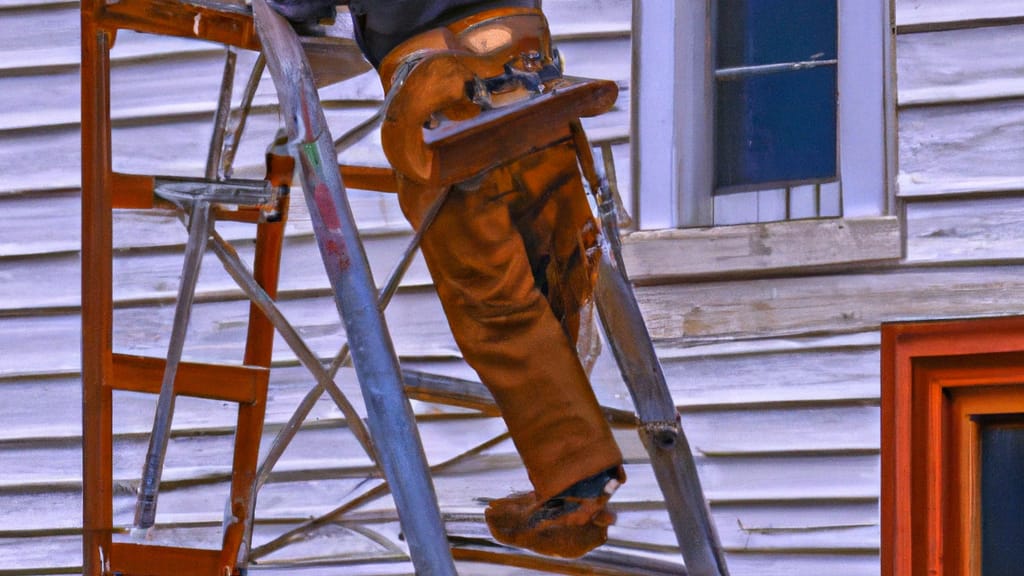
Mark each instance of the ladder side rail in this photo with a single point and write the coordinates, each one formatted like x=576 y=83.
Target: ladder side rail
x=241 y=506
x=259 y=343
x=391 y=419
x=660 y=429
x=239 y=119
x=223 y=114
x=199 y=232
x=97 y=293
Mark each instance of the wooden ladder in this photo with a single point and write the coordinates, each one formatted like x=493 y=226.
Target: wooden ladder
x=203 y=201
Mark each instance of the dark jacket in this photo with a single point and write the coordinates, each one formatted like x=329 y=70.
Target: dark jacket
x=383 y=24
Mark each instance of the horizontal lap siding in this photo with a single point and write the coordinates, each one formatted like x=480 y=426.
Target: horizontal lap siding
x=776 y=378
x=960 y=96
x=776 y=369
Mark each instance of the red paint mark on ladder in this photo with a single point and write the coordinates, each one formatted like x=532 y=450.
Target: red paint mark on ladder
x=334 y=243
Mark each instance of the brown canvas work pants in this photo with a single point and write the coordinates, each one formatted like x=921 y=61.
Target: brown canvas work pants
x=510 y=253
x=510 y=257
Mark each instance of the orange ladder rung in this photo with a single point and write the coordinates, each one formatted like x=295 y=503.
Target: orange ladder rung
x=241 y=384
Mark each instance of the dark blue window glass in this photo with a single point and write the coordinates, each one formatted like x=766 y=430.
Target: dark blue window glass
x=776 y=93
x=752 y=32
x=1002 y=498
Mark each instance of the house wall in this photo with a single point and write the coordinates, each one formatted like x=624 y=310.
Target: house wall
x=775 y=370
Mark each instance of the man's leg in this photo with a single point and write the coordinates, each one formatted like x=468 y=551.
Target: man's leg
x=508 y=333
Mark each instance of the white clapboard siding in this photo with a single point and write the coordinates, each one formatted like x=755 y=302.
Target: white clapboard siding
x=777 y=482
x=776 y=375
x=979 y=229
x=49 y=222
x=960 y=97
x=962 y=148
x=960 y=65
x=953 y=12
x=154 y=274
x=216 y=332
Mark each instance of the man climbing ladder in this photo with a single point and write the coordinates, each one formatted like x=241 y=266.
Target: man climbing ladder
x=512 y=250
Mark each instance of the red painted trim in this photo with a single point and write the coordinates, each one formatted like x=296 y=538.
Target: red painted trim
x=925 y=365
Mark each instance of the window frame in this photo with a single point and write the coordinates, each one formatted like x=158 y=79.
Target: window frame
x=937 y=378
x=673 y=112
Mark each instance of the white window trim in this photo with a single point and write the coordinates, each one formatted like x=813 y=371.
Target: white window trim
x=673 y=111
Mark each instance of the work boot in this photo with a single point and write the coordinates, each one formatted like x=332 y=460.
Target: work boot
x=567 y=526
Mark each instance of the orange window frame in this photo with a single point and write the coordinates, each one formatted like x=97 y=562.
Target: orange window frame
x=937 y=378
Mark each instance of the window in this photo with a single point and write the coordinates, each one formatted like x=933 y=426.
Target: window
x=953 y=447
x=1002 y=500
x=759 y=111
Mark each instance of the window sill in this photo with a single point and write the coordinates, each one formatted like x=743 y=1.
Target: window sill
x=659 y=256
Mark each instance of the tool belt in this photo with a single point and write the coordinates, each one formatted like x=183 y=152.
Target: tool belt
x=485 y=90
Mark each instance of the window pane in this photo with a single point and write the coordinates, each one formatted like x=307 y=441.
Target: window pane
x=753 y=32
x=776 y=128
x=1002 y=498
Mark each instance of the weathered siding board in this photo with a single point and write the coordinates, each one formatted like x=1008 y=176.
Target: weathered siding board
x=45 y=159
x=961 y=230
x=671 y=255
x=935 y=12
x=962 y=148
x=805 y=563
x=48 y=222
x=33 y=400
x=154 y=274
x=960 y=97
x=756 y=374
x=41 y=224
x=53 y=553
x=848 y=525
x=55 y=98
x=50 y=343
x=589 y=17
x=820 y=428
x=828 y=303
x=961 y=65
x=775 y=481
x=40 y=35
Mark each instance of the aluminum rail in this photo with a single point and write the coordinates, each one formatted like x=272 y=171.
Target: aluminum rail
x=390 y=414
x=199 y=233
x=660 y=429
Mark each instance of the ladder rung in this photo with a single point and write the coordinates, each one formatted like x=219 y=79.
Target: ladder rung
x=241 y=384
x=132 y=191
x=142 y=191
x=225 y=22
x=237 y=192
x=374 y=178
x=130 y=559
